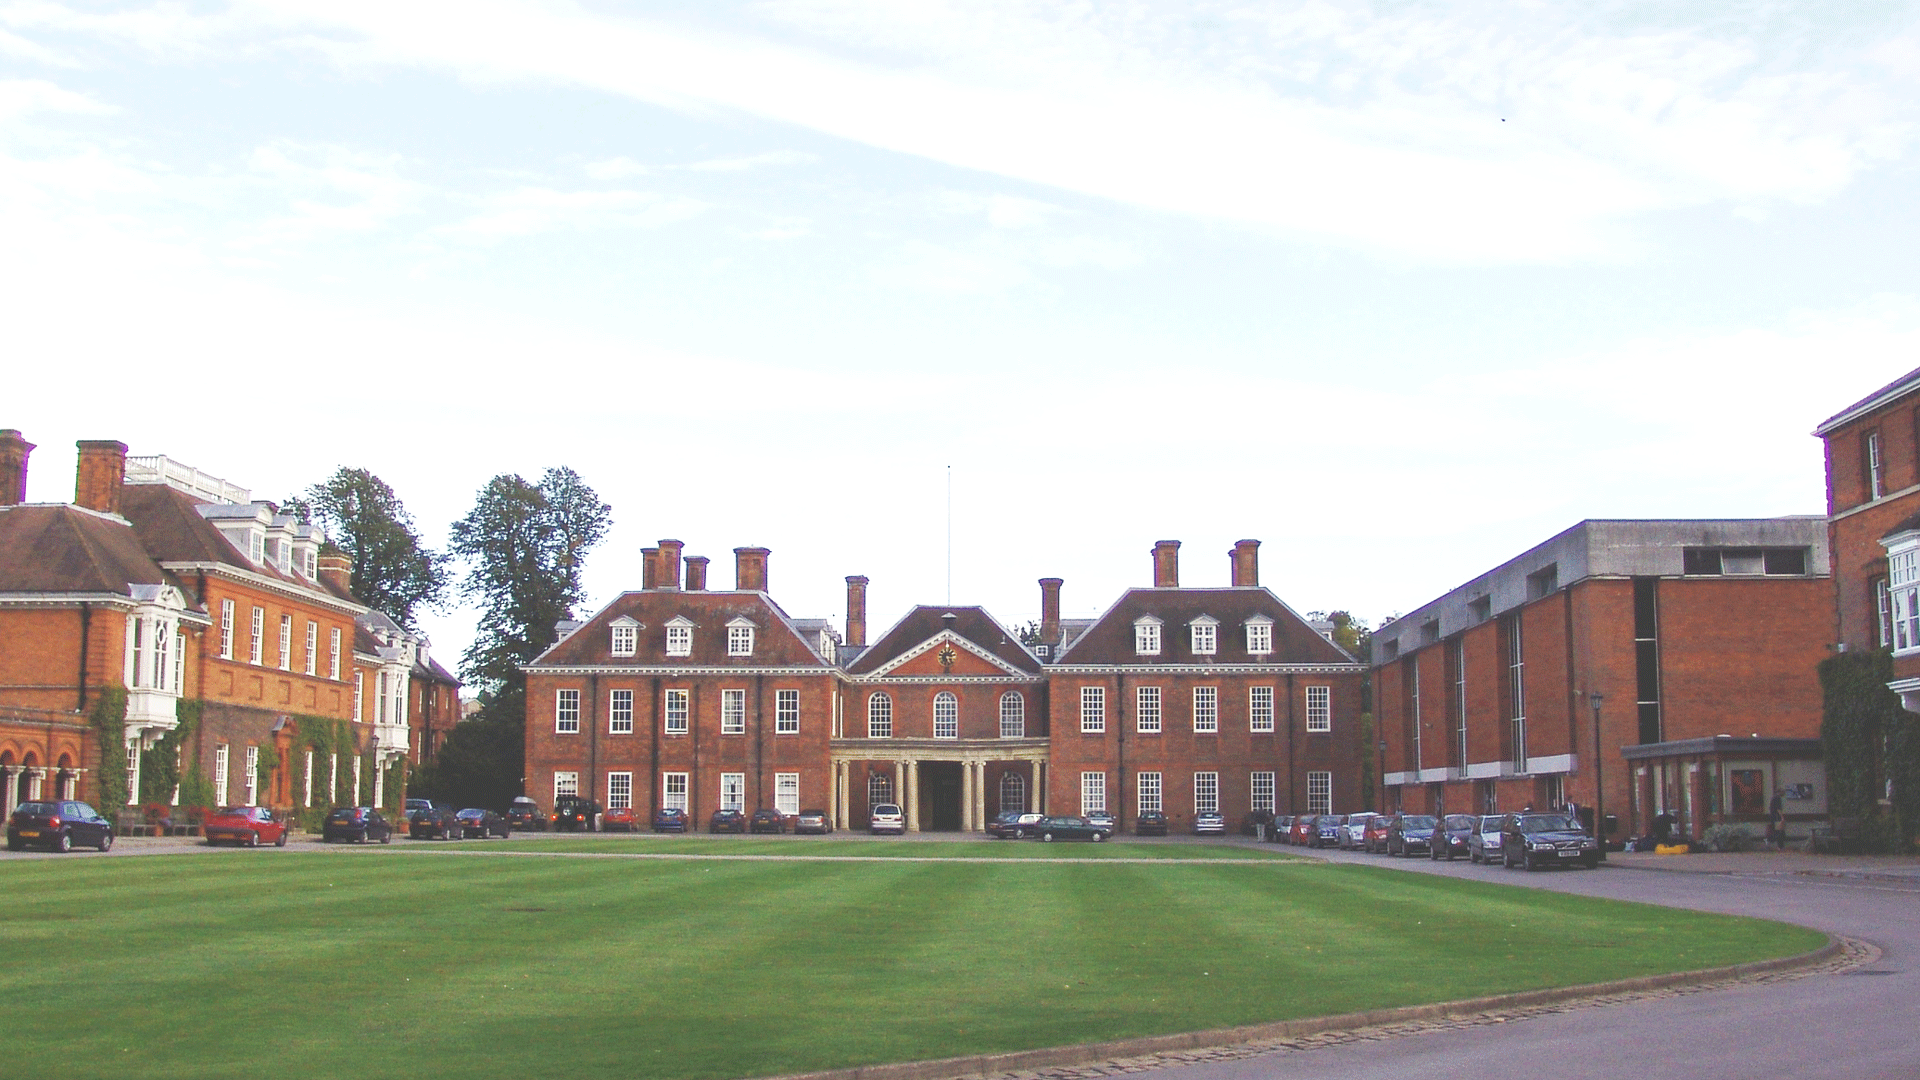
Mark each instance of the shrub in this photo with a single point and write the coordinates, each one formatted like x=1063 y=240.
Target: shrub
x=1734 y=836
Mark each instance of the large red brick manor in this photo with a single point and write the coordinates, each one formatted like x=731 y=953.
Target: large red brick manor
x=1177 y=699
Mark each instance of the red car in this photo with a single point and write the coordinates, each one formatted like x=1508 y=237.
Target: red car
x=1374 y=840
x=1301 y=831
x=618 y=819
x=248 y=826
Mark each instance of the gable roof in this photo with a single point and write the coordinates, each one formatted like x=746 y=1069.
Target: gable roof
x=65 y=549
x=923 y=623
x=1110 y=639
x=776 y=642
x=1903 y=385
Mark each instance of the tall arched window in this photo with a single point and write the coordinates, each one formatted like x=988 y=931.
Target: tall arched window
x=1013 y=715
x=879 y=789
x=1013 y=793
x=880 y=716
x=946 y=716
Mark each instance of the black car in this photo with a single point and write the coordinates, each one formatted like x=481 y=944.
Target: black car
x=1278 y=828
x=672 y=819
x=1451 y=835
x=1410 y=833
x=1069 y=827
x=764 y=820
x=1325 y=830
x=1150 y=823
x=525 y=814
x=439 y=823
x=478 y=823
x=59 y=826
x=732 y=821
x=354 y=825
x=1536 y=840
x=571 y=813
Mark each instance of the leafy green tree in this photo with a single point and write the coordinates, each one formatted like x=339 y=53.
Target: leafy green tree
x=393 y=571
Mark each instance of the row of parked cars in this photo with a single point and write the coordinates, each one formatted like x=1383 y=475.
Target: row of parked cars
x=577 y=814
x=1526 y=839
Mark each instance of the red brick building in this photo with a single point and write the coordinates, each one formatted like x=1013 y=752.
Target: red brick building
x=1699 y=638
x=1873 y=525
x=680 y=696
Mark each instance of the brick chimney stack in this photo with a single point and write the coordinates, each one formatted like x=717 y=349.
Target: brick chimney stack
x=649 y=569
x=103 y=469
x=1166 y=564
x=856 y=610
x=750 y=569
x=14 y=452
x=336 y=572
x=1050 y=610
x=697 y=573
x=1246 y=564
x=670 y=563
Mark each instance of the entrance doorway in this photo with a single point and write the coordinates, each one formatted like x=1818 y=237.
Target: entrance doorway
x=940 y=796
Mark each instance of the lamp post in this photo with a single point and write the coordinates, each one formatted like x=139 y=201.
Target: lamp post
x=1599 y=777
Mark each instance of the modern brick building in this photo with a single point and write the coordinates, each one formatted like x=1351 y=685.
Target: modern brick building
x=1176 y=699
x=200 y=602
x=1700 y=639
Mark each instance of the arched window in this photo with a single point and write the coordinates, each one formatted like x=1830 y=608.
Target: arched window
x=1013 y=792
x=946 y=716
x=879 y=789
x=1013 y=715
x=880 y=717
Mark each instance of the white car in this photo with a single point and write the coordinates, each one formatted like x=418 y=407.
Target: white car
x=887 y=818
x=1353 y=833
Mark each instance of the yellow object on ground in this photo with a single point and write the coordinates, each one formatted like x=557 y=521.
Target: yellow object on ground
x=1670 y=849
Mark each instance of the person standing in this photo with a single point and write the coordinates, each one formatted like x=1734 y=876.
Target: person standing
x=1777 y=821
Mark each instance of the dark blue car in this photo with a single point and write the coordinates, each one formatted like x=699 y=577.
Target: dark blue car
x=670 y=819
x=1410 y=833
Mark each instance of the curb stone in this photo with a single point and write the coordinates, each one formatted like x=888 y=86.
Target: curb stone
x=1160 y=1051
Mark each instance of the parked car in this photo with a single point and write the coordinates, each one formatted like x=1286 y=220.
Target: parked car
x=1150 y=823
x=671 y=819
x=248 y=826
x=620 y=819
x=812 y=822
x=1251 y=824
x=478 y=823
x=1006 y=825
x=1300 y=831
x=356 y=824
x=1279 y=828
x=60 y=826
x=1536 y=840
x=1210 y=823
x=438 y=823
x=1326 y=830
x=764 y=820
x=1410 y=833
x=1374 y=840
x=525 y=814
x=417 y=804
x=1075 y=827
x=1483 y=844
x=571 y=813
x=886 y=818
x=1354 y=833
x=1102 y=819
x=1450 y=836
x=722 y=821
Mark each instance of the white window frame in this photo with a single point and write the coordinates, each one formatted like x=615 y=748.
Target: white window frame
x=1876 y=466
x=740 y=640
x=313 y=648
x=676 y=711
x=256 y=647
x=1013 y=792
x=674 y=791
x=1260 y=637
x=1093 y=710
x=1205 y=635
x=1206 y=793
x=250 y=776
x=679 y=638
x=133 y=772
x=786 y=792
x=566 y=710
x=733 y=712
x=619 y=790
x=879 y=788
x=1206 y=710
x=179 y=662
x=359 y=694
x=565 y=784
x=1093 y=793
x=619 y=712
x=1146 y=636
x=733 y=791
x=946 y=715
x=786 y=712
x=306 y=783
x=1903 y=582
x=1146 y=710
x=286 y=643
x=1150 y=789
x=880 y=715
x=1260 y=784
x=226 y=629
x=1013 y=715
x=221 y=756
x=1320 y=710
x=1319 y=793
x=624 y=639
x=1260 y=709
x=333 y=654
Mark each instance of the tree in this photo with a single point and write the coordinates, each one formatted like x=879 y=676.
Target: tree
x=392 y=571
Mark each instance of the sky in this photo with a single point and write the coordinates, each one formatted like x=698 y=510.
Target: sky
x=958 y=296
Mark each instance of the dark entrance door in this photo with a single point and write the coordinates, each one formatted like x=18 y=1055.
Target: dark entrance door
x=940 y=796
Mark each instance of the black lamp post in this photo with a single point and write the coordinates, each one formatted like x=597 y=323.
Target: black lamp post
x=1599 y=779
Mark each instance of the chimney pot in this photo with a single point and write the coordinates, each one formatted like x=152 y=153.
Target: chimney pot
x=670 y=563
x=336 y=572
x=697 y=573
x=14 y=452
x=857 y=610
x=750 y=569
x=1245 y=558
x=649 y=569
x=1166 y=564
x=102 y=472
x=1050 y=610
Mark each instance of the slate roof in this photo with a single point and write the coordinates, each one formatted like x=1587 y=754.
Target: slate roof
x=1110 y=639
x=1891 y=390
x=776 y=642
x=922 y=623
x=64 y=549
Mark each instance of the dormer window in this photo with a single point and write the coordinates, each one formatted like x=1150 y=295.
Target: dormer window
x=256 y=546
x=1205 y=632
x=680 y=636
x=308 y=565
x=739 y=638
x=1259 y=636
x=826 y=647
x=626 y=637
x=1146 y=636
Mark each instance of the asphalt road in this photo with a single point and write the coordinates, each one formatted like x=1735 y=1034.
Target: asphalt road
x=1855 y=1026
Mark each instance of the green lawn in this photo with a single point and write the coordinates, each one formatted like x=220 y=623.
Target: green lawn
x=381 y=963
x=644 y=844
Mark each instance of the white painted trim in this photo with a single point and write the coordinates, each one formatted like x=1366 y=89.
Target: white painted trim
x=248 y=577
x=944 y=637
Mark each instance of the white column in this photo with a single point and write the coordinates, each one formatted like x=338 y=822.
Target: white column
x=980 y=796
x=912 y=787
x=11 y=772
x=966 y=795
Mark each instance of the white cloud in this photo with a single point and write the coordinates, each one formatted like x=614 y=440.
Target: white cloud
x=21 y=97
x=529 y=210
x=752 y=161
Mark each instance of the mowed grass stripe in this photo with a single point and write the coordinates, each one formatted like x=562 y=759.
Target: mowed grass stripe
x=604 y=844
x=344 y=965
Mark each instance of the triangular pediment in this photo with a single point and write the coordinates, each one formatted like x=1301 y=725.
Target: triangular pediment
x=961 y=658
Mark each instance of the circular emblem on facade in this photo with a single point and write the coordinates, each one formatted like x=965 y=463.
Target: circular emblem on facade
x=946 y=657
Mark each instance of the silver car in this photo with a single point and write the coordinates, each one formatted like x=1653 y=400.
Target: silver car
x=1483 y=843
x=887 y=818
x=1353 y=834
